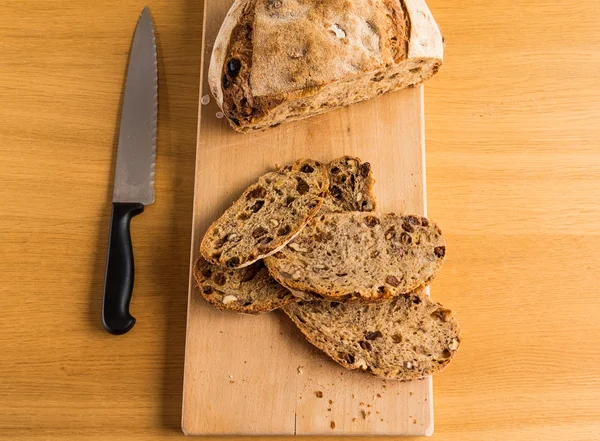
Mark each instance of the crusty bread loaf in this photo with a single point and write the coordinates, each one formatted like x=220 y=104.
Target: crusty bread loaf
x=406 y=338
x=284 y=60
x=360 y=256
x=267 y=215
x=249 y=290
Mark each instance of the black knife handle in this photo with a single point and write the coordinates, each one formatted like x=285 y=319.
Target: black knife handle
x=118 y=279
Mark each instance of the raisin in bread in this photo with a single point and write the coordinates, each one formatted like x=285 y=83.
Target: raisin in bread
x=267 y=215
x=252 y=290
x=406 y=338
x=249 y=290
x=275 y=61
x=360 y=256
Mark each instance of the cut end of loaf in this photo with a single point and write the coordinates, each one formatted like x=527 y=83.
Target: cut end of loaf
x=343 y=93
x=261 y=77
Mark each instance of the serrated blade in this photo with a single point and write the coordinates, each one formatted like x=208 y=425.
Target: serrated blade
x=134 y=175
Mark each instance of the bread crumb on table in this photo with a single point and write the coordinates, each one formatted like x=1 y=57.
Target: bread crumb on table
x=330 y=401
x=333 y=424
x=319 y=394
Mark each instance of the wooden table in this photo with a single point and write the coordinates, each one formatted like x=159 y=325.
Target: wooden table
x=513 y=153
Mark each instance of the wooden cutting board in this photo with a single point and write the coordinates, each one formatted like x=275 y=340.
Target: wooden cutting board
x=257 y=375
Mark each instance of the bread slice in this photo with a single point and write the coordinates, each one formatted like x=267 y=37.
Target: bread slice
x=360 y=256
x=252 y=290
x=275 y=61
x=249 y=290
x=350 y=186
x=267 y=215
x=406 y=338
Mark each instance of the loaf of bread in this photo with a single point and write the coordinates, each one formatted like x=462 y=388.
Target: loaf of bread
x=251 y=289
x=275 y=61
x=406 y=338
x=360 y=256
x=267 y=215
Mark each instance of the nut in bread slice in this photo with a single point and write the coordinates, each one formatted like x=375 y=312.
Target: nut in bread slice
x=405 y=338
x=360 y=256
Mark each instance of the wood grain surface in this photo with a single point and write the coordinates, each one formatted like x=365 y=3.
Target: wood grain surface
x=513 y=175
x=258 y=375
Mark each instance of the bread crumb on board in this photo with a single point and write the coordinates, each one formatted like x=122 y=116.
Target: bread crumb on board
x=319 y=394
x=363 y=414
x=332 y=424
x=300 y=369
x=354 y=420
x=330 y=401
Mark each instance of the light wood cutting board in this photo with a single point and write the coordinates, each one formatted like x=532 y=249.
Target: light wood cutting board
x=257 y=375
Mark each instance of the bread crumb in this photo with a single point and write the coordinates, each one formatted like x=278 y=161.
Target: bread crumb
x=382 y=420
x=361 y=404
x=319 y=394
x=363 y=414
x=378 y=395
x=333 y=424
x=377 y=412
x=411 y=393
x=330 y=401
x=354 y=420
x=300 y=369
x=231 y=381
x=353 y=396
x=329 y=409
x=369 y=405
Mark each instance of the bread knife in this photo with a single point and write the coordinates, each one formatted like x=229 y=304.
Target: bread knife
x=134 y=174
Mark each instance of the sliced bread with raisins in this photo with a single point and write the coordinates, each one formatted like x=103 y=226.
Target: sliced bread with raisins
x=277 y=61
x=252 y=290
x=406 y=338
x=249 y=290
x=360 y=256
x=267 y=215
x=350 y=186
